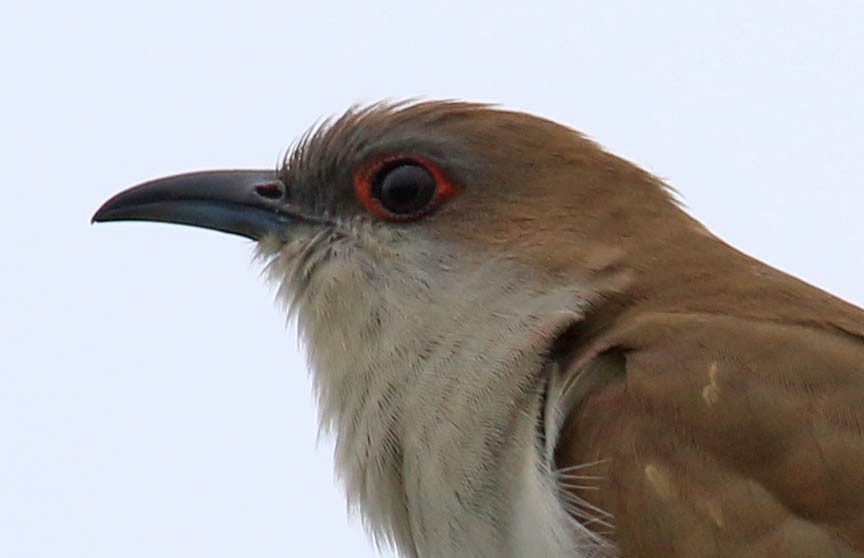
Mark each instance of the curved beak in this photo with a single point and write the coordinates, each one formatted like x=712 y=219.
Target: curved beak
x=250 y=203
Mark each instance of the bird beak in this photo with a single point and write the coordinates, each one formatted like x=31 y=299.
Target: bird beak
x=250 y=203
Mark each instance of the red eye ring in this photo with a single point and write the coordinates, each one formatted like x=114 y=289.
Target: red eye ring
x=401 y=187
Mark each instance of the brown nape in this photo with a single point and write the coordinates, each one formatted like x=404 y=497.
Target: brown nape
x=733 y=424
x=560 y=203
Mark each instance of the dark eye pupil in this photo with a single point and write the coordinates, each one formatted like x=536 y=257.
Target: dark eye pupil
x=404 y=188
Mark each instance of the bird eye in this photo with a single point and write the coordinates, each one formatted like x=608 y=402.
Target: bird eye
x=404 y=188
x=401 y=188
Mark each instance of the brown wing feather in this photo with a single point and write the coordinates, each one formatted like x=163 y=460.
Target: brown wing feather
x=725 y=436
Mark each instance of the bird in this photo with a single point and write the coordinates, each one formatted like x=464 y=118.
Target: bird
x=525 y=346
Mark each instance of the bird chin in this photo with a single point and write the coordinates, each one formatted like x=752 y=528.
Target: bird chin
x=292 y=263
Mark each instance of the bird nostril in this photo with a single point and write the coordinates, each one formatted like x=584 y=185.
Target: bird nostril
x=270 y=190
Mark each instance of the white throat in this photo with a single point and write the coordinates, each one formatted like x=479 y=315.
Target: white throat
x=429 y=370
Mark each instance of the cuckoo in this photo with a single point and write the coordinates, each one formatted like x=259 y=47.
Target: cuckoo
x=525 y=347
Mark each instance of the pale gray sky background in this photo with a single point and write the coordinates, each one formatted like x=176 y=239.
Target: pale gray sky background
x=152 y=402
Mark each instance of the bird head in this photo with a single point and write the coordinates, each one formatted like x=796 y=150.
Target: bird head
x=418 y=190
